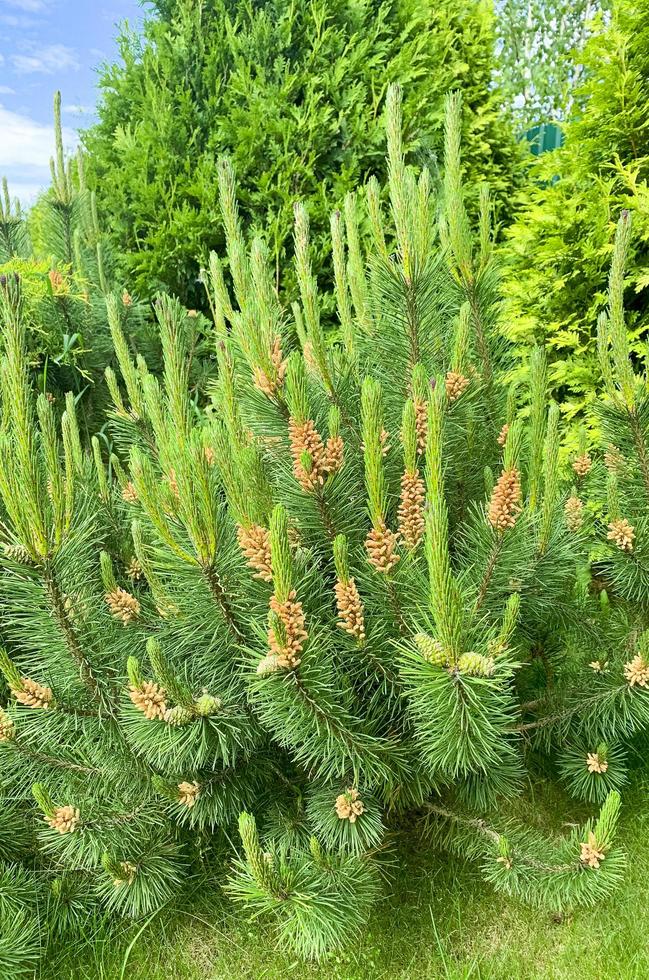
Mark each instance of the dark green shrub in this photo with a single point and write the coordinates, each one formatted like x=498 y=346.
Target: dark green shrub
x=294 y=94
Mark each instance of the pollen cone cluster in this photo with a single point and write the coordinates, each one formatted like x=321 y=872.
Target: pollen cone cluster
x=636 y=672
x=592 y=853
x=380 y=545
x=574 y=513
x=582 y=464
x=595 y=764
x=613 y=459
x=122 y=605
x=33 y=694
x=7 y=729
x=188 y=793
x=129 y=493
x=255 y=547
x=505 y=503
x=456 y=385
x=149 y=698
x=421 y=423
x=334 y=454
x=305 y=438
x=270 y=384
x=349 y=806
x=127 y=871
x=65 y=819
x=350 y=609
x=622 y=534
x=287 y=648
x=502 y=435
x=411 y=508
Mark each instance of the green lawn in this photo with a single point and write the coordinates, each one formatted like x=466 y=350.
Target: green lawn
x=440 y=921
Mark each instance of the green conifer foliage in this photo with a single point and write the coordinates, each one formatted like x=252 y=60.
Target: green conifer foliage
x=559 y=247
x=354 y=586
x=293 y=93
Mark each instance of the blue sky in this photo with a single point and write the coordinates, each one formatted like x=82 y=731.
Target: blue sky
x=45 y=45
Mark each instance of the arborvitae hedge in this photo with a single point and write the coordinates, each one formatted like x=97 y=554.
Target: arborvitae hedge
x=560 y=245
x=294 y=93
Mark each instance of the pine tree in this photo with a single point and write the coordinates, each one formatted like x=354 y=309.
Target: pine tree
x=354 y=585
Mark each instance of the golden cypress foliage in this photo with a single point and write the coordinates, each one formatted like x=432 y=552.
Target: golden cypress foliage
x=505 y=504
x=349 y=805
x=64 y=819
x=122 y=605
x=254 y=542
x=149 y=698
x=411 y=508
x=622 y=534
x=33 y=694
x=380 y=545
x=287 y=642
x=351 y=617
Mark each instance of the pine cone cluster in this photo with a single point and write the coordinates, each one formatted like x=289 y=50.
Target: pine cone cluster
x=636 y=672
x=350 y=609
x=456 y=385
x=380 y=545
x=411 y=509
x=149 y=698
x=349 y=805
x=505 y=504
x=65 y=819
x=431 y=650
x=255 y=547
x=582 y=465
x=271 y=385
x=574 y=513
x=127 y=872
x=129 y=493
x=33 y=694
x=188 y=793
x=17 y=553
x=178 y=715
x=122 y=605
x=595 y=764
x=592 y=853
x=475 y=665
x=622 y=534
x=287 y=648
x=7 y=728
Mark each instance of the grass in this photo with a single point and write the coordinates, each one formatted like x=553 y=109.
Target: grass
x=439 y=920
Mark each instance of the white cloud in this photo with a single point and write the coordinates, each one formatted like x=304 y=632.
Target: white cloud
x=29 y=6
x=25 y=150
x=5 y=90
x=78 y=110
x=45 y=60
